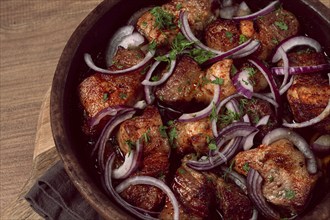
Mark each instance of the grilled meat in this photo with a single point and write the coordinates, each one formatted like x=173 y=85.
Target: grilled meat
x=273 y=28
x=256 y=78
x=287 y=183
x=193 y=190
x=156 y=28
x=155 y=156
x=310 y=93
x=231 y=201
x=222 y=35
x=183 y=86
x=193 y=137
x=100 y=91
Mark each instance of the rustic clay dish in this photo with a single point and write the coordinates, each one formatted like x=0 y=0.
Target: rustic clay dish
x=92 y=36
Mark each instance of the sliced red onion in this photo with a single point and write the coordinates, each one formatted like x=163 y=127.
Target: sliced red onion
x=254 y=187
x=135 y=17
x=246 y=118
x=115 y=40
x=297 y=140
x=295 y=41
x=243 y=9
x=269 y=8
x=107 y=131
x=285 y=59
x=269 y=77
x=248 y=50
x=140 y=104
x=148 y=180
x=219 y=158
x=165 y=76
x=206 y=111
x=109 y=111
x=228 y=12
x=243 y=84
x=325 y=113
x=248 y=142
x=238 y=179
x=131 y=163
x=90 y=64
x=322 y=144
x=150 y=98
x=266 y=98
x=235 y=129
x=295 y=70
x=263 y=121
x=133 y=40
x=112 y=192
x=226 y=3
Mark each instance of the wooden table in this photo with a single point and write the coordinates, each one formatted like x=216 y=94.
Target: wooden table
x=33 y=34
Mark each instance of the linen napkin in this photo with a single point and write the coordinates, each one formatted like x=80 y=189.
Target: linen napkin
x=54 y=196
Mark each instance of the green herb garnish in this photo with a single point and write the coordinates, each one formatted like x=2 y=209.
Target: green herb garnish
x=122 y=95
x=218 y=81
x=246 y=167
x=281 y=25
x=162 y=131
x=242 y=38
x=163 y=19
x=289 y=194
x=105 y=97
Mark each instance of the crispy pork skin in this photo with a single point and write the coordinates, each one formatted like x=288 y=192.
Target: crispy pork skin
x=155 y=160
x=287 y=183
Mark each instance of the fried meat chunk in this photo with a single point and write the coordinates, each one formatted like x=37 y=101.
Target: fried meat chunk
x=310 y=93
x=199 y=15
x=155 y=160
x=100 y=91
x=273 y=28
x=287 y=183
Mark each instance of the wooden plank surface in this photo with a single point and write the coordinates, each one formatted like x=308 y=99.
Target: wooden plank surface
x=33 y=34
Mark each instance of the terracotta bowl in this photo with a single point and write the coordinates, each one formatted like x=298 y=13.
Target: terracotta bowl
x=92 y=36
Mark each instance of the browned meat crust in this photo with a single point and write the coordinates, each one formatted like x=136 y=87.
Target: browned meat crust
x=232 y=202
x=199 y=15
x=193 y=190
x=155 y=156
x=287 y=182
x=222 y=35
x=192 y=137
x=100 y=91
x=273 y=28
x=183 y=86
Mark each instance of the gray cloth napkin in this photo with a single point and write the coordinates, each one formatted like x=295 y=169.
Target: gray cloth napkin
x=54 y=196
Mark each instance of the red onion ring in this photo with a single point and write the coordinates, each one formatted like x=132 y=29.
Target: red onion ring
x=206 y=111
x=325 y=113
x=115 y=40
x=242 y=84
x=90 y=64
x=297 y=140
x=148 y=180
x=106 y=133
x=322 y=144
x=131 y=163
x=254 y=187
x=285 y=59
x=140 y=104
x=147 y=82
x=246 y=48
x=248 y=141
x=295 y=70
x=269 y=77
x=269 y=8
x=112 y=192
x=291 y=42
x=109 y=111
x=133 y=40
x=238 y=179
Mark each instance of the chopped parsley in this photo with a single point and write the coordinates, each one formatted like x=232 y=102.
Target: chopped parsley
x=200 y=55
x=232 y=163
x=289 y=194
x=271 y=179
x=275 y=41
x=181 y=171
x=122 y=95
x=145 y=136
x=131 y=145
x=155 y=78
x=211 y=143
x=105 y=96
x=251 y=71
x=242 y=38
x=281 y=25
x=152 y=45
x=229 y=117
x=163 y=19
x=233 y=70
x=173 y=134
x=144 y=24
x=214 y=114
x=229 y=35
x=246 y=167
x=178 y=6
x=218 y=81
x=162 y=131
